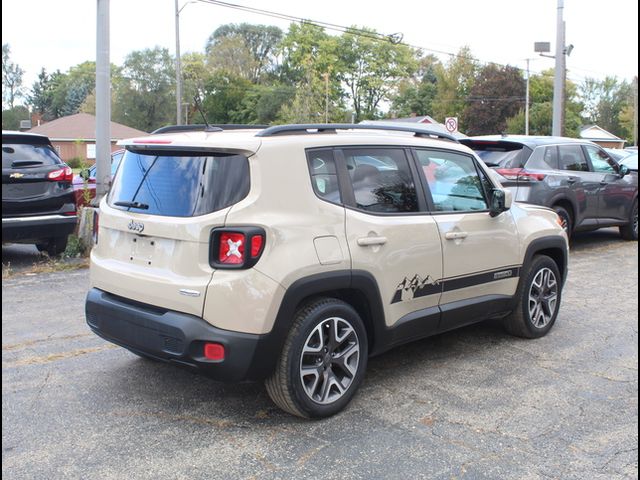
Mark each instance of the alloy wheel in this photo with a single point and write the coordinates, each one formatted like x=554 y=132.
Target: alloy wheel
x=543 y=297
x=329 y=360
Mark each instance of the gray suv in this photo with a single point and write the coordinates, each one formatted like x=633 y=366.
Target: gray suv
x=577 y=178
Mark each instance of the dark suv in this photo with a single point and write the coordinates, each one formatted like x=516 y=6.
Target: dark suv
x=37 y=197
x=577 y=178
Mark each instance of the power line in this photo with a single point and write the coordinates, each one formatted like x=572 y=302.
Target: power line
x=395 y=38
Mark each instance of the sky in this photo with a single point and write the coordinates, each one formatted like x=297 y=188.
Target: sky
x=59 y=35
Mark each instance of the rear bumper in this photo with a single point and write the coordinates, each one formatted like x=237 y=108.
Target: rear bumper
x=37 y=227
x=174 y=337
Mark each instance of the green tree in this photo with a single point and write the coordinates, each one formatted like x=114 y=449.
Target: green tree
x=371 y=68
x=11 y=118
x=541 y=108
x=224 y=95
x=416 y=95
x=498 y=93
x=604 y=101
x=40 y=97
x=146 y=97
x=310 y=63
x=253 y=49
x=11 y=79
x=455 y=81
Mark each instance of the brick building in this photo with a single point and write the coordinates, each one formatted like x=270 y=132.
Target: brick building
x=74 y=136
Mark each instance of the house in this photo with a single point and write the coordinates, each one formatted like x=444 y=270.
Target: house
x=600 y=136
x=74 y=136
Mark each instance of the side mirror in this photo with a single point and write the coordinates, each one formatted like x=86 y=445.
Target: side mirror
x=498 y=202
x=624 y=170
x=84 y=174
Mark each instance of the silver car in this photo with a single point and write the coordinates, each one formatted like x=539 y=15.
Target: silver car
x=576 y=178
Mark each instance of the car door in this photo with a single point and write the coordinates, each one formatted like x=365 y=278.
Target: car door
x=584 y=183
x=481 y=253
x=614 y=192
x=391 y=236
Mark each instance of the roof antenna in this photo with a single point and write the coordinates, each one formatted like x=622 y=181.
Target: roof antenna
x=208 y=128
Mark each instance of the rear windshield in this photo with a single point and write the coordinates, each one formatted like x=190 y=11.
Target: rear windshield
x=500 y=154
x=24 y=155
x=179 y=184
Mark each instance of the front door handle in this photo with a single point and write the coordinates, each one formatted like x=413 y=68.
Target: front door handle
x=603 y=183
x=455 y=235
x=571 y=180
x=369 y=241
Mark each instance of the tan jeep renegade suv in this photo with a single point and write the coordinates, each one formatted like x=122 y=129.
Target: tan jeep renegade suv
x=293 y=253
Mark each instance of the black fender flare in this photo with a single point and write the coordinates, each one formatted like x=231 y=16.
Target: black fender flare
x=337 y=283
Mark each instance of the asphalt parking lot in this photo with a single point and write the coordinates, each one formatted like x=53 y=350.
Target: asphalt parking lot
x=474 y=403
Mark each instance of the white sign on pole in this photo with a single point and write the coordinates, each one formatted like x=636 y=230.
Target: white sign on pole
x=451 y=124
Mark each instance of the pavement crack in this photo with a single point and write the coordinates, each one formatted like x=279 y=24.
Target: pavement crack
x=54 y=357
x=29 y=343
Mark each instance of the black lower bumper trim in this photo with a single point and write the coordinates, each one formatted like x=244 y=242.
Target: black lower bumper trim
x=174 y=337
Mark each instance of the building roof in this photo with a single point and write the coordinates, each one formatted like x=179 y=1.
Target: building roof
x=594 y=132
x=82 y=126
x=421 y=119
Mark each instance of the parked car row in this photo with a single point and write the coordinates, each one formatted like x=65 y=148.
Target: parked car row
x=585 y=186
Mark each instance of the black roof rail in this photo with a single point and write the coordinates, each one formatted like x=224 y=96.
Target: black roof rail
x=201 y=127
x=301 y=129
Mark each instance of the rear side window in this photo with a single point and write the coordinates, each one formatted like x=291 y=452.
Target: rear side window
x=381 y=180
x=570 y=158
x=24 y=155
x=324 y=178
x=179 y=184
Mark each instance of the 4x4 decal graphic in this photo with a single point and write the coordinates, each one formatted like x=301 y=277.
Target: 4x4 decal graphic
x=416 y=287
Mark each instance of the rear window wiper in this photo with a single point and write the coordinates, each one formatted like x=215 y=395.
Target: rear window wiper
x=25 y=163
x=141 y=206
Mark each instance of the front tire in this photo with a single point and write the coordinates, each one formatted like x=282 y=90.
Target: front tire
x=323 y=360
x=539 y=298
x=630 y=230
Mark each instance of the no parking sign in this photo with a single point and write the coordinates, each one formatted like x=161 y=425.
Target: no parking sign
x=451 y=124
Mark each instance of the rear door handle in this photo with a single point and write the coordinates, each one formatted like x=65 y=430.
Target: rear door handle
x=369 y=241
x=455 y=235
x=603 y=183
x=571 y=180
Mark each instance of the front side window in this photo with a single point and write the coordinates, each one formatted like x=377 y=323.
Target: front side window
x=381 y=180
x=600 y=160
x=453 y=181
x=179 y=184
x=570 y=158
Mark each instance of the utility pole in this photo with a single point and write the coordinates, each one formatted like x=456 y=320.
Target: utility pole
x=178 y=70
x=326 y=97
x=526 y=105
x=558 y=83
x=103 y=101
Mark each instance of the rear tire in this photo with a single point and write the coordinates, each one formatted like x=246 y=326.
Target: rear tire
x=539 y=296
x=53 y=246
x=630 y=230
x=567 y=219
x=323 y=360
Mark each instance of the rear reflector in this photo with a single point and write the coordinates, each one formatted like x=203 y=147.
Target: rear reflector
x=520 y=174
x=214 y=351
x=256 y=245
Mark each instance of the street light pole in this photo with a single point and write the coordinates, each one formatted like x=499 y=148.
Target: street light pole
x=178 y=70
x=526 y=105
x=558 y=83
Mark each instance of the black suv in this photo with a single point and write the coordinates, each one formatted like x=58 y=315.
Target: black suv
x=577 y=178
x=37 y=197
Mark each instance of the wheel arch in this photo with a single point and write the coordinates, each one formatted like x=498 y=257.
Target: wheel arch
x=357 y=288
